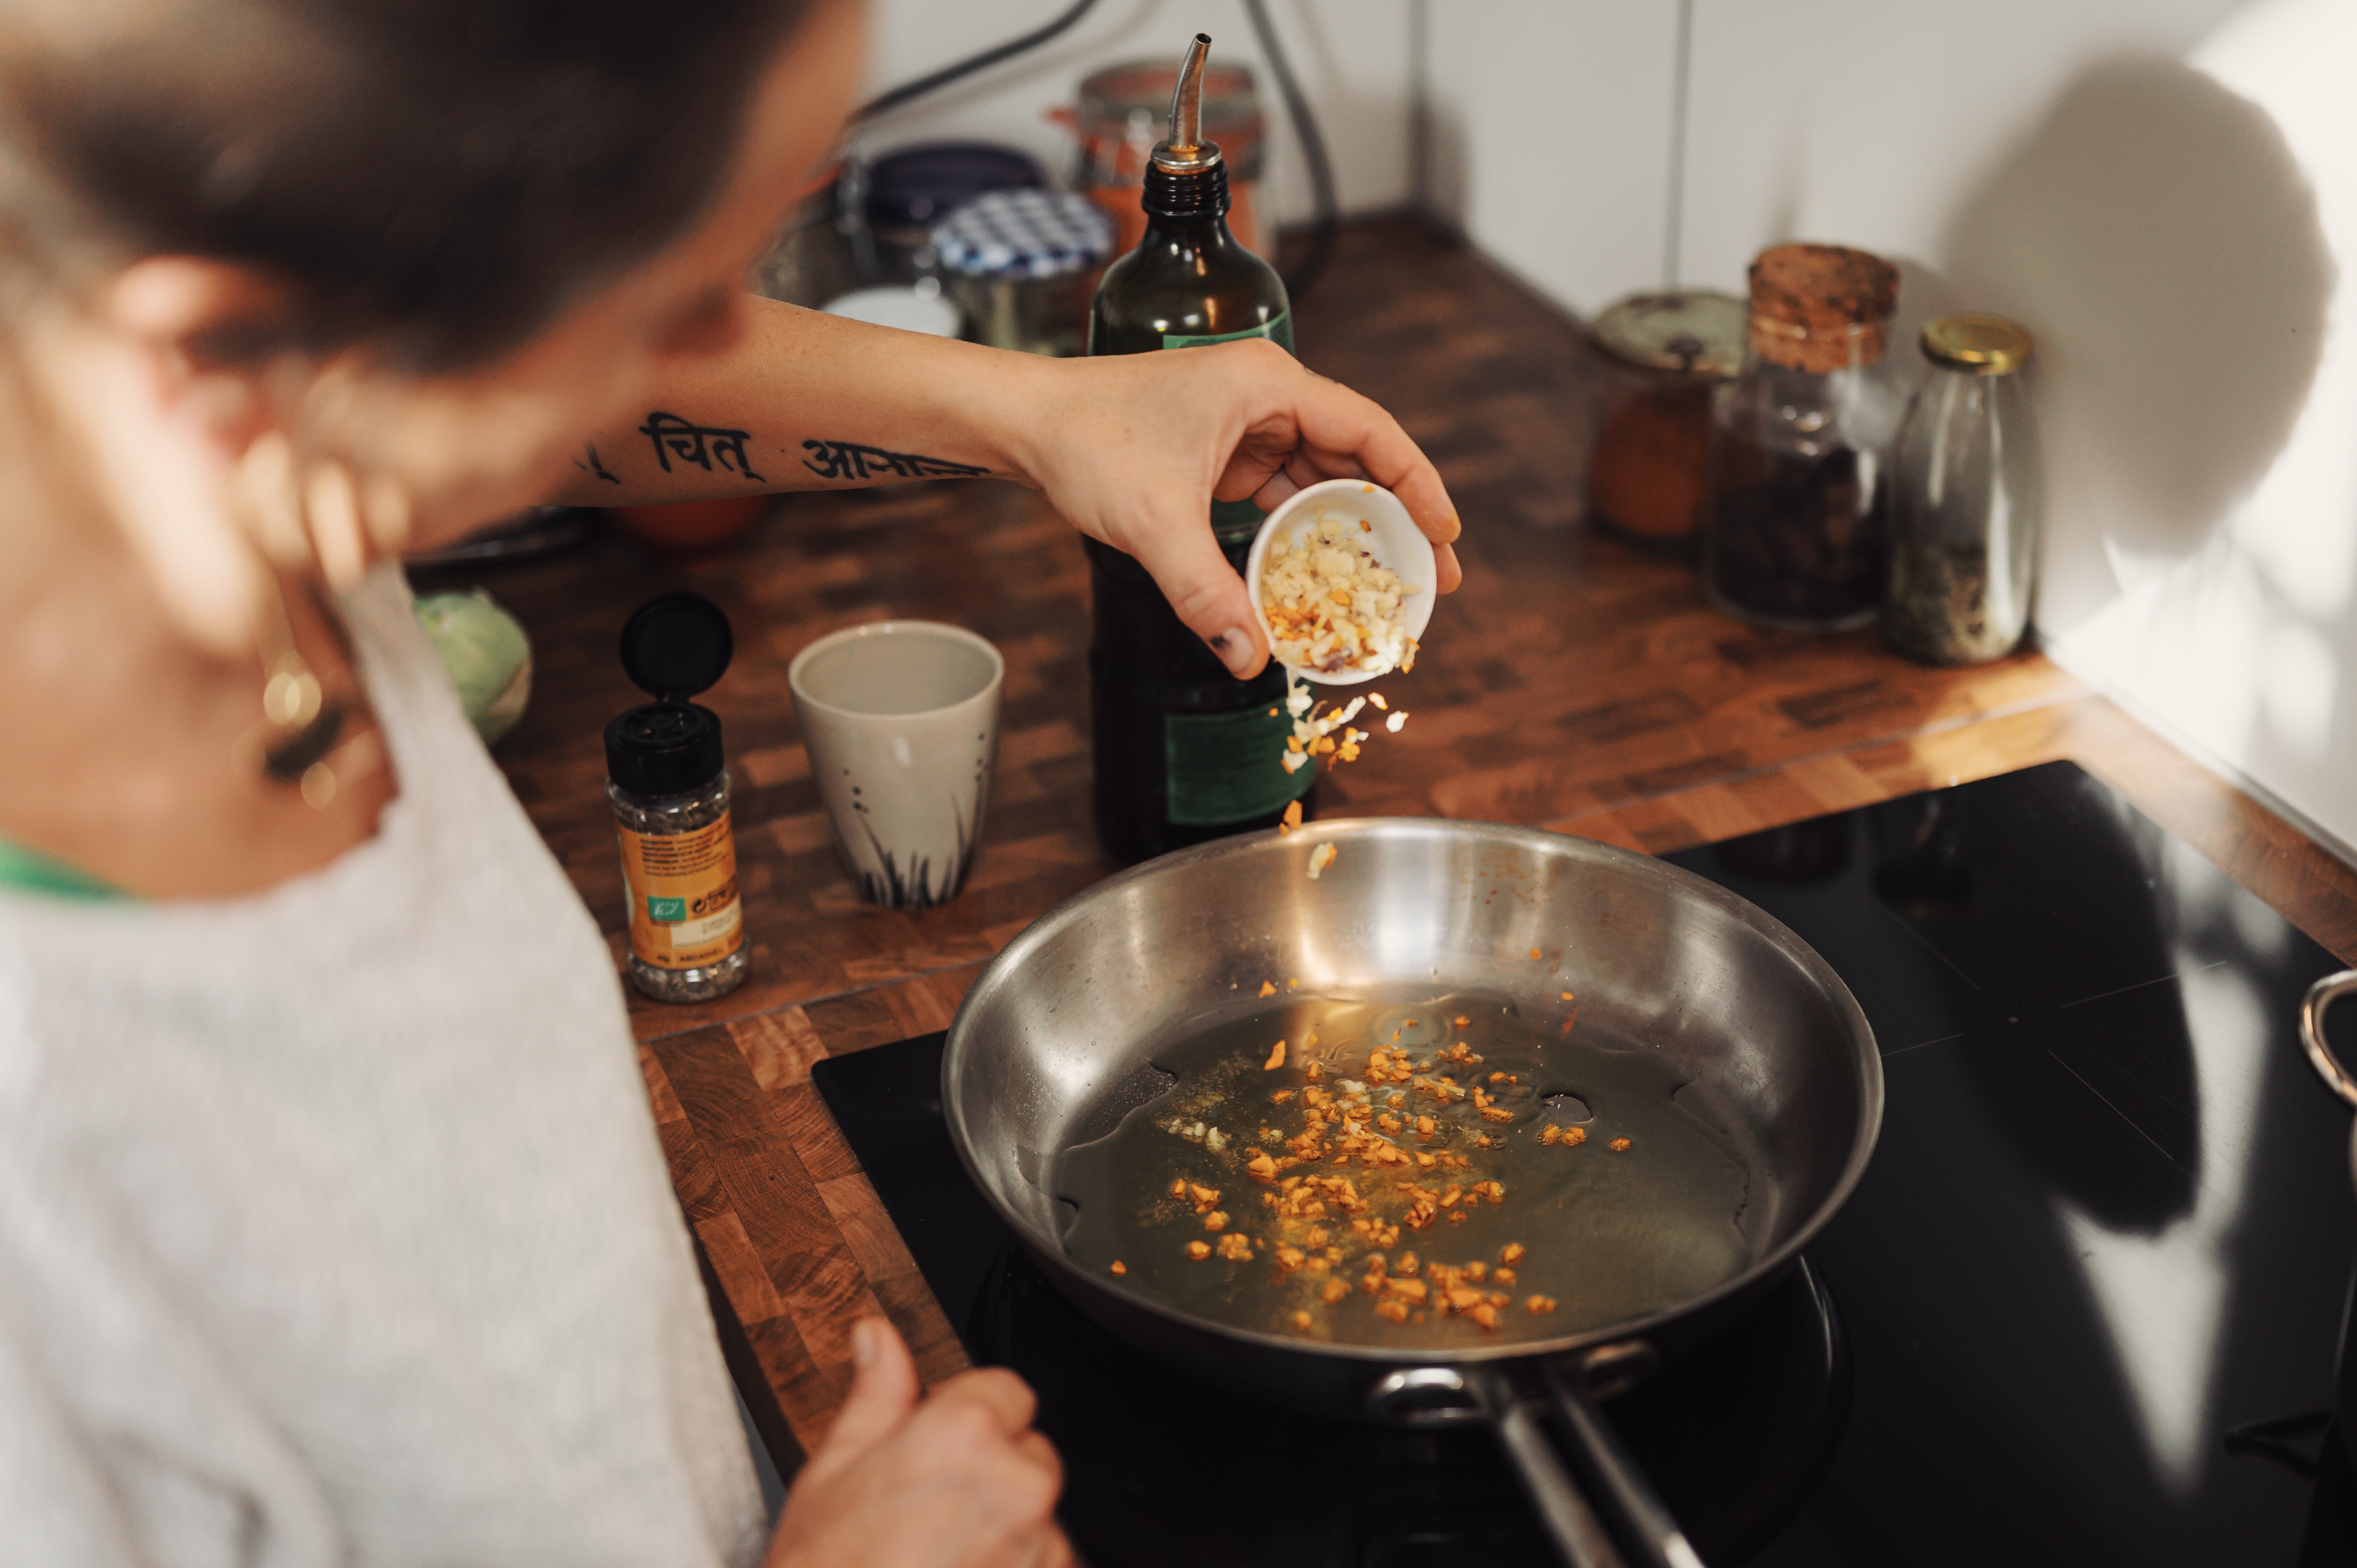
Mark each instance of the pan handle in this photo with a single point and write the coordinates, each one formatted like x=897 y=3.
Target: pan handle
x=1450 y=1396
x=2321 y=995
x=1434 y=1396
x=1602 y=1372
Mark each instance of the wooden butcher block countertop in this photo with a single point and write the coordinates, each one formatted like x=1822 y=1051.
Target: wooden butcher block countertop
x=1572 y=684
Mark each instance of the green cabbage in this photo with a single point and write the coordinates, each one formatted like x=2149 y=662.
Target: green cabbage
x=488 y=655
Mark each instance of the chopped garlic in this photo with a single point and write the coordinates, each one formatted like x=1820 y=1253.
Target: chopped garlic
x=1319 y=859
x=1330 y=605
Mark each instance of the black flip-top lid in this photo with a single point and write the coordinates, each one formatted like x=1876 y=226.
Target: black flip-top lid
x=676 y=645
x=673 y=646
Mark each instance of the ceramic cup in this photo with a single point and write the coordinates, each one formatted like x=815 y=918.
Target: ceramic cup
x=900 y=719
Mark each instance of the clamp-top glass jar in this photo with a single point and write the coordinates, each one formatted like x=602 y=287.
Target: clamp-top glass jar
x=1967 y=500
x=1796 y=531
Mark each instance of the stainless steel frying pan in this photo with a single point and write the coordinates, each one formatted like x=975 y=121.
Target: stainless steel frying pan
x=1051 y=1048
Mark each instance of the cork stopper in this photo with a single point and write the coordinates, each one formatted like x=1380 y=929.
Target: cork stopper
x=1821 y=307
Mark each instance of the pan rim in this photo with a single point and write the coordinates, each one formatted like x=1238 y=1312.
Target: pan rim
x=1763 y=1268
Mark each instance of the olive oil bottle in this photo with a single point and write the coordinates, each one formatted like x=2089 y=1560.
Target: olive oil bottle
x=1184 y=751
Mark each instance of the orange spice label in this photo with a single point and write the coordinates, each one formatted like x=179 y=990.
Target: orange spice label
x=682 y=892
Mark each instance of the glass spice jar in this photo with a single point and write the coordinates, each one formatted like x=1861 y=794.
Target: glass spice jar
x=1967 y=499
x=668 y=784
x=1796 y=524
x=1663 y=356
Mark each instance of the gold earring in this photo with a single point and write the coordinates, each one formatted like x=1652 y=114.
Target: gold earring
x=301 y=723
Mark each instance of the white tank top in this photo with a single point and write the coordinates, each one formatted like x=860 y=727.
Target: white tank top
x=334 y=1227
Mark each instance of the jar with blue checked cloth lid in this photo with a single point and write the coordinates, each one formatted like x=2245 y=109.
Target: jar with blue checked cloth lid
x=1021 y=264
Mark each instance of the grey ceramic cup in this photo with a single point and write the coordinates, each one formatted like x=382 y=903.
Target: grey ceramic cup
x=901 y=720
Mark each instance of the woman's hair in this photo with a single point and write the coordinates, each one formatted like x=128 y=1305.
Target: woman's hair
x=435 y=178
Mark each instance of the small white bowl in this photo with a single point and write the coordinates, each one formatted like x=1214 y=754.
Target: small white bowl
x=1395 y=540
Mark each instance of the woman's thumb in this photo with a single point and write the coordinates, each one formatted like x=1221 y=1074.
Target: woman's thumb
x=1187 y=564
x=883 y=1391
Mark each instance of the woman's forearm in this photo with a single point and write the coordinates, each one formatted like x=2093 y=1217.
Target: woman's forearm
x=811 y=402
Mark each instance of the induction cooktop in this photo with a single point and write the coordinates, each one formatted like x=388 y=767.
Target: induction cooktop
x=2083 y=1309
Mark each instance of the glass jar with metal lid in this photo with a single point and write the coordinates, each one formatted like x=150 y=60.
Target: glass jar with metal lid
x=1022 y=265
x=1967 y=499
x=1663 y=356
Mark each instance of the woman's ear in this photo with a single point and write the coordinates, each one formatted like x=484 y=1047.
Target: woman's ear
x=208 y=332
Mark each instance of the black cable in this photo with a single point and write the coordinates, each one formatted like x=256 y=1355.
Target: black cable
x=934 y=81
x=1325 y=215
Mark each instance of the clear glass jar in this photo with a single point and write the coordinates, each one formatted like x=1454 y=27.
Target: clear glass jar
x=1796 y=522
x=676 y=817
x=1967 y=499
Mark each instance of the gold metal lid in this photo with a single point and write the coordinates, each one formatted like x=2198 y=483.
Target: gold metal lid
x=1986 y=345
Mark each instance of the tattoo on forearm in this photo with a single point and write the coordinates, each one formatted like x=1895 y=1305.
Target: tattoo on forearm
x=697 y=444
x=594 y=467
x=850 y=460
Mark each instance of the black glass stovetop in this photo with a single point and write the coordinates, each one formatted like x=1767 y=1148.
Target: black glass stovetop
x=2091 y=1280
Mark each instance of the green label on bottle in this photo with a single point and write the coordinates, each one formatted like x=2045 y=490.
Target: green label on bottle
x=1232 y=519
x=1223 y=767
x=1278 y=330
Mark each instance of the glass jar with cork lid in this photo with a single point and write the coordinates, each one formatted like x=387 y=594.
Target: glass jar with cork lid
x=1795 y=532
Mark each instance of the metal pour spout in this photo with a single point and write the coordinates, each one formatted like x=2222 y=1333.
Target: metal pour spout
x=1186 y=151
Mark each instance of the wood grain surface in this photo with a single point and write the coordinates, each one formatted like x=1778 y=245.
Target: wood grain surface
x=1572 y=683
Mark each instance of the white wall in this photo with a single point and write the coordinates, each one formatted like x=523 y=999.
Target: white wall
x=1551 y=136
x=1351 y=56
x=2165 y=191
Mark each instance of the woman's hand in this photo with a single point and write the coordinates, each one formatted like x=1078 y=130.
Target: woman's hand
x=957 y=1479
x=1133 y=448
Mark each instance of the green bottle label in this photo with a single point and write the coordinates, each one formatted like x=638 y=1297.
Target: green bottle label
x=1278 y=330
x=1230 y=520
x=1223 y=767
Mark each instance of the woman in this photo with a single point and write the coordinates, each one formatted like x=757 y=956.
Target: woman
x=332 y=1222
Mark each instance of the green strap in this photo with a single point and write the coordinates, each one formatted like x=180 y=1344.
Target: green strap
x=29 y=871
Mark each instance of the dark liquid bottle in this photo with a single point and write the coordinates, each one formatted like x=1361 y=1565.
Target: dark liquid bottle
x=1184 y=751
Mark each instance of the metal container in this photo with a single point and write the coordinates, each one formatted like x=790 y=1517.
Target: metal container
x=1053 y=1046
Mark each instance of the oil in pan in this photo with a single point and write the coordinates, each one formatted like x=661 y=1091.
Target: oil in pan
x=1436 y=1174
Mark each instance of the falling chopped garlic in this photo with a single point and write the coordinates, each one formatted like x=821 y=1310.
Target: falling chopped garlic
x=1319 y=859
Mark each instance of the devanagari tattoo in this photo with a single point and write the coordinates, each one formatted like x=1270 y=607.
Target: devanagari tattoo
x=697 y=444
x=594 y=467
x=850 y=460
